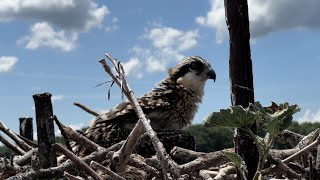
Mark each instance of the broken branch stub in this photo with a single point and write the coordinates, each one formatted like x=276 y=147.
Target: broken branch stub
x=45 y=130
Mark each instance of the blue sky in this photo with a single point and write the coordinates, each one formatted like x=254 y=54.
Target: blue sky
x=54 y=46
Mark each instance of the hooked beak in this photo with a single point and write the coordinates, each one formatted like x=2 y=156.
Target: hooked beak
x=211 y=74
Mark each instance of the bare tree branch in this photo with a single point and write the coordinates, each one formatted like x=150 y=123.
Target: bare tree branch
x=11 y=146
x=77 y=161
x=66 y=166
x=28 y=141
x=26 y=158
x=71 y=177
x=85 y=108
x=112 y=174
x=13 y=136
x=122 y=156
x=63 y=133
x=303 y=151
x=205 y=175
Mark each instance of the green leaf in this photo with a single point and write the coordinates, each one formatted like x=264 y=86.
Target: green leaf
x=281 y=119
x=234 y=117
x=235 y=158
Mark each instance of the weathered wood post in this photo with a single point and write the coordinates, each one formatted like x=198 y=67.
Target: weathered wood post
x=45 y=130
x=26 y=127
x=241 y=76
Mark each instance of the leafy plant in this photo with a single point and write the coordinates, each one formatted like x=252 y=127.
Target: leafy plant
x=273 y=120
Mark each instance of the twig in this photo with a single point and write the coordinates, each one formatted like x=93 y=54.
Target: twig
x=12 y=135
x=63 y=133
x=302 y=151
x=77 y=161
x=204 y=162
x=141 y=164
x=26 y=158
x=11 y=146
x=83 y=107
x=79 y=138
x=71 y=177
x=66 y=166
x=138 y=130
x=223 y=172
x=28 y=141
x=185 y=155
x=112 y=174
x=291 y=173
x=205 y=174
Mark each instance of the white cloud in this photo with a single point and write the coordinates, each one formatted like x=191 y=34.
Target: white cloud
x=266 y=16
x=132 y=68
x=75 y=15
x=43 y=35
x=58 y=22
x=7 y=63
x=58 y=97
x=114 y=25
x=170 y=38
x=167 y=46
x=309 y=116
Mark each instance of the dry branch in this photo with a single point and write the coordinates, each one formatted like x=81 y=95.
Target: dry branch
x=71 y=177
x=15 y=137
x=139 y=162
x=205 y=174
x=85 y=108
x=122 y=156
x=303 y=151
x=28 y=141
x=112 y=174
x=63 y=133
x=225 y=171
x=66 y=166
x=185 y=155
x=11 y=146
x=25 y=158
x=79 y=138
x=204 y=162
x=77 y=161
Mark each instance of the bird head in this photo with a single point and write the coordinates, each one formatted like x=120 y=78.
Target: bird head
x=192 y=72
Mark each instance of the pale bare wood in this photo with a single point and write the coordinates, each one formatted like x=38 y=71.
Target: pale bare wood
x=121 y=157
x=77 y=161
x=85 y=108
x=14 y=137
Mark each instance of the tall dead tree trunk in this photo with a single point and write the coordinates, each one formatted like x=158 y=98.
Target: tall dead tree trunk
x=241 y=76
x=45 y=130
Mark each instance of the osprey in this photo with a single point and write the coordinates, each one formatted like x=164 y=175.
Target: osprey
x=170 y=106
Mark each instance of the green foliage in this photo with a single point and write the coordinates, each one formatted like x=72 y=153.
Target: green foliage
x=235 y=158
x=5 y=152
x=304 y=128
x=273 y=120
x=233 y=117
x=209 y=139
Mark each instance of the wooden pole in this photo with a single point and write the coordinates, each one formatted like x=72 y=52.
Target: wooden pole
x=241 y=76
x=45 y=130
x=26 y=127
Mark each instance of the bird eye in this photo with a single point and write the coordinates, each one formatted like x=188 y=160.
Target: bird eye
x=194 y=66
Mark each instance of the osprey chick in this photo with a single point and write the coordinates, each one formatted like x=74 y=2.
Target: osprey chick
x=171 y=105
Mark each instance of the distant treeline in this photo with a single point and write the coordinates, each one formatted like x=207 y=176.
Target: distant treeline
x=209 y=139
